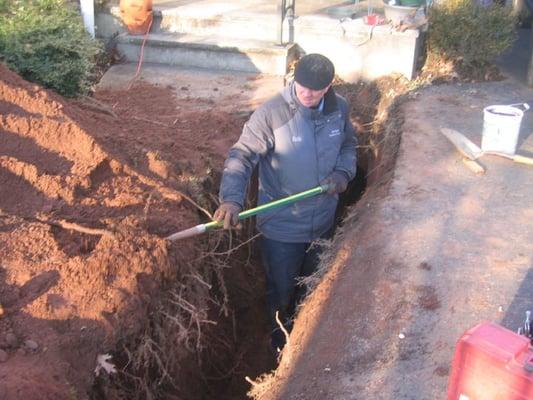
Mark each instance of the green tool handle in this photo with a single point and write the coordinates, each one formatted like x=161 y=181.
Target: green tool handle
x=273 y=204
x=199 y=229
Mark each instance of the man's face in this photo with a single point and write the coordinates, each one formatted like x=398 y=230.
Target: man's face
x=309 y=97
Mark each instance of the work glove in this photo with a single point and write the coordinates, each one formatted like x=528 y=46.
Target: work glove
x=229 y=213
x=337 y=182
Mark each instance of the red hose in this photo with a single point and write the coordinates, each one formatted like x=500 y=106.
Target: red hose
x=140 y=56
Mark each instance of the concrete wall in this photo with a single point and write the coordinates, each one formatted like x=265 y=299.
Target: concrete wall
x=357 y=50
x=108 y=23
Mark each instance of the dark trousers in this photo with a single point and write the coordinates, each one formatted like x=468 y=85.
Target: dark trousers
x=284 y=263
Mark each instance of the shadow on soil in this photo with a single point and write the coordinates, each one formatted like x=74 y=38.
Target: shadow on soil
x=516 y=314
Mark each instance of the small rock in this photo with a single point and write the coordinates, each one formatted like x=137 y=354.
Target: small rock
x=2 y=312
x=31 y=345
x=21 y=351
x=11 y=340
x=3 y=356
x=401 y=335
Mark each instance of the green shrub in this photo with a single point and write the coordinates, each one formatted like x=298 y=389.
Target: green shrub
x=45 y=42
x=469 y=34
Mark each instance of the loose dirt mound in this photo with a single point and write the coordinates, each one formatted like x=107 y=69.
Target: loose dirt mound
x=88 y=188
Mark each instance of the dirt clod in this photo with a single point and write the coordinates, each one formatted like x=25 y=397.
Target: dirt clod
x=157 y=166
x=425 y=266
x=11 y=340
x=31 y=345
x=442 y=370
x=3 y=356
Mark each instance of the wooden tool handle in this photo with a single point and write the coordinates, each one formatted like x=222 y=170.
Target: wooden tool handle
x=474 y=166
x=516 y=157
x=523 y=159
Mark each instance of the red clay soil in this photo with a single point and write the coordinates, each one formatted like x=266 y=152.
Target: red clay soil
x=88 y=189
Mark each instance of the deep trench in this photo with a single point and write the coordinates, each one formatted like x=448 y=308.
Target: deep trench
x=244 y=328
x=250 y=309
x=251 y=327
x=215 y=374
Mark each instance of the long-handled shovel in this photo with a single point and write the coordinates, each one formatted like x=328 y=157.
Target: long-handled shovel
x=199 y=229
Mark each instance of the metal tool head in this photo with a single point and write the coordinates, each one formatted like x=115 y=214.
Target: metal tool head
x=464 y=145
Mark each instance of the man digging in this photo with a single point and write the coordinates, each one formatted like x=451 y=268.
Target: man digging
x=299 y=139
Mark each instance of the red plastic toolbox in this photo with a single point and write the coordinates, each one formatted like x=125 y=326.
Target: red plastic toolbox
x=492 y=363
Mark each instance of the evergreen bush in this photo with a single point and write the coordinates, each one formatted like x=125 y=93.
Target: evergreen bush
x=469 y=33
x=45 y=41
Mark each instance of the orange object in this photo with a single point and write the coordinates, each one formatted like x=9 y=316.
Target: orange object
x=492 y=363
x=136 y=15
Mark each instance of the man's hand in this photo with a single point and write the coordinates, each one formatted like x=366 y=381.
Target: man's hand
x=337 y=182
x=229 y=213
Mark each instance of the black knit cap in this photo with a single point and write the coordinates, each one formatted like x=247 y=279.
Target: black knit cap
x=314 y=71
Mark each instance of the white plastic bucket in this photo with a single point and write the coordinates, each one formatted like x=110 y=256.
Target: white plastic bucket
x=501 y=127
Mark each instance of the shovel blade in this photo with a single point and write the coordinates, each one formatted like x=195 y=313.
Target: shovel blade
x=464 y=145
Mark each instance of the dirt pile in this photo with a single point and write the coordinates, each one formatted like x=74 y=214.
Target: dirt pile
x=87 y=190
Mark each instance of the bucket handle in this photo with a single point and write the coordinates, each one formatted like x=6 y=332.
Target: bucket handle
x=516 y=105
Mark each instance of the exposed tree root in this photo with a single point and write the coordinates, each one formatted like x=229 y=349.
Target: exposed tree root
x=95 y=105
x=65 y=225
